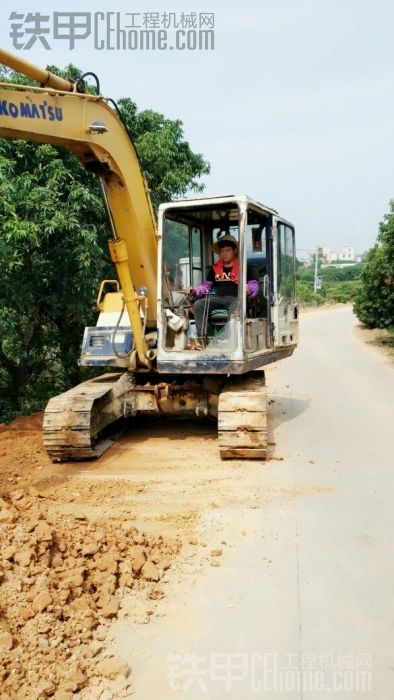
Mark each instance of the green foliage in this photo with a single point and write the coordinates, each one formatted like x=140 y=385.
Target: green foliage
x=169 y=165
x=52 y=234
x=53 y=248
x=339 y=285
x=306 y=295
x=331 y=274
x=374 y=303
x=340 y=292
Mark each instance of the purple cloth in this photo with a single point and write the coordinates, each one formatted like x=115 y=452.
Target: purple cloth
x=203 y=288
x=252 y=289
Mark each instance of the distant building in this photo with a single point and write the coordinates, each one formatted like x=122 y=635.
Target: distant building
x=325 y=252
x=338 y=264
x=347 y=253
x=327 y=255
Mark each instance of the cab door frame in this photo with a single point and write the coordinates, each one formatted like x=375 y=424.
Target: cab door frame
x=285 y=307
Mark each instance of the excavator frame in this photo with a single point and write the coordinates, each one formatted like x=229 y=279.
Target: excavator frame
x=156 y=380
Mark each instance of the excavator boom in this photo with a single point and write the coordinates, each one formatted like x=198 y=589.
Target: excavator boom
x=41 y=75
x=86 y=125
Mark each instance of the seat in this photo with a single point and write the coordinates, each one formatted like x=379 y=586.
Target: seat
x=217 y=320
x=218 y=317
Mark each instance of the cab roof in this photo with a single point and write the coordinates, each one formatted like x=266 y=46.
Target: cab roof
x=212 y=200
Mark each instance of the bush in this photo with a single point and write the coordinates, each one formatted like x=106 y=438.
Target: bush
x=374 y=303
x=306 y=295
x=334 y=293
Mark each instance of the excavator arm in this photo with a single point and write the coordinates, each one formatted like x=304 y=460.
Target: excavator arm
x=56 y=113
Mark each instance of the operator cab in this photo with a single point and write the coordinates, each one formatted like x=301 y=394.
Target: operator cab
x=254 y=329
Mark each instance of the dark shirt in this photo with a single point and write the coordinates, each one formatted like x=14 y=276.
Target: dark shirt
x=223 y=288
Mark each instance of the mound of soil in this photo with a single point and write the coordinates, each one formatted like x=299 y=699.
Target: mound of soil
x=61 y=583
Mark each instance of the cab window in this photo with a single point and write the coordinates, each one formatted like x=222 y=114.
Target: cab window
x=286 y=260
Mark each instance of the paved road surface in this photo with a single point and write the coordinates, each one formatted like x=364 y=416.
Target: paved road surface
x=308 y=581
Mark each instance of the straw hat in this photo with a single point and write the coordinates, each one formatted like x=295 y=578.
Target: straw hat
x=227 y=238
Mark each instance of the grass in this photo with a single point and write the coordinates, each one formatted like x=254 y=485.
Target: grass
x=382 y=338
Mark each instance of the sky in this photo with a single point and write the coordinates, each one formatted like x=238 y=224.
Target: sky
x=294 y=106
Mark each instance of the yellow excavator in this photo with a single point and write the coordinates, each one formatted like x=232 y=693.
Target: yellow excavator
x=146 y=317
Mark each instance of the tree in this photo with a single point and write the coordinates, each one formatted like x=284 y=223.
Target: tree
x=374 y=303
x=51 y=224
x=169 y=165
x=53 y=247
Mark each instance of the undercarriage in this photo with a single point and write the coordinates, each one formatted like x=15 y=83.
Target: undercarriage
x=79 y=423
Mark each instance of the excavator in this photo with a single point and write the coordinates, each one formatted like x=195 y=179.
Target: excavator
x=145 y=315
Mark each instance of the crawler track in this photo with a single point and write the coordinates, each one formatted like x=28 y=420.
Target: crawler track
x=242 y=418
x=74 y=421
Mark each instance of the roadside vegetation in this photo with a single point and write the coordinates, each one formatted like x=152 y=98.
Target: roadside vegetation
x=54 y=252
x=374 y=302
x=382 y=338
x=339 y=285
x=369 y=284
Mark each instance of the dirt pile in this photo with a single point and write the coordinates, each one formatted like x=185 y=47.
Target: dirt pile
x=61 y=583
x=21 y=451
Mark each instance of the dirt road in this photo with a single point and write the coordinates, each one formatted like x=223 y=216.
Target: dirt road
x=271 y=579
x=306 y=574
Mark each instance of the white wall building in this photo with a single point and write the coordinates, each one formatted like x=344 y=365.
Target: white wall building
x=347 y=253
x=327 y=255
x=325 y=251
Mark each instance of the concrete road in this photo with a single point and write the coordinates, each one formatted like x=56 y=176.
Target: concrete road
x=302 y=605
